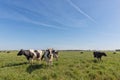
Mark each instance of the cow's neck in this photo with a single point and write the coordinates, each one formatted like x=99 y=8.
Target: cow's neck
x=26 y=54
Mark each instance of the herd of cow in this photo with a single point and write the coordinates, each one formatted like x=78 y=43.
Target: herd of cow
x=49 y=54
x=31 y=55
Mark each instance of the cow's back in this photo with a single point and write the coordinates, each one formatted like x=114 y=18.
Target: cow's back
x=98 y=54
x=39 y=53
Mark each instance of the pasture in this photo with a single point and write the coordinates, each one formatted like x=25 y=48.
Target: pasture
x=72 y=65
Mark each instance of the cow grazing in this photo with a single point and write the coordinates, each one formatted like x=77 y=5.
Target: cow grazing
x=31 y=54
x=55 y=54
x=99 y=55
x=8 y=51
x=81 y=52
x=114 y=52
x=48 y=56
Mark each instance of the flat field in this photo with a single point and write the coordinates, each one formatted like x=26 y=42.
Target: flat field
x=72 y=65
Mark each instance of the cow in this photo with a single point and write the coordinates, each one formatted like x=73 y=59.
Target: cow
x=98 y=55
x=81 y=52
x=48 y=56
x=114 y=52
x=55 y=54
x=31 y=54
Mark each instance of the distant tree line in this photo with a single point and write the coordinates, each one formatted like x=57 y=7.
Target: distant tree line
x=5 y=51
x=117 y=50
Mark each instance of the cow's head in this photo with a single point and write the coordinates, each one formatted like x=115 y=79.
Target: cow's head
x=49 y=52
x=21 y=52
x=104 y=54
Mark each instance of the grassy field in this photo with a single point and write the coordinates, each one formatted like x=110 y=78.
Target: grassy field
x=72 y=65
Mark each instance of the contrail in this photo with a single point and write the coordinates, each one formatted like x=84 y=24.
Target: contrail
x=80 y=11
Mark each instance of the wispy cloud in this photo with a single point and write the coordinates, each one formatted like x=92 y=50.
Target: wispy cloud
x=80 y=11
x=38 y=18
x=27 y=15
x=26 y=19
x=43 y=24
x=36 y=22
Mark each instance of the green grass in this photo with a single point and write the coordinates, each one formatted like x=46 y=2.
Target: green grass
x=72 y=65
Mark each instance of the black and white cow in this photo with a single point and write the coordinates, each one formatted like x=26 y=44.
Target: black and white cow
x=55 y=54
x=48 y=56
x=98 y=54
x=31 y=54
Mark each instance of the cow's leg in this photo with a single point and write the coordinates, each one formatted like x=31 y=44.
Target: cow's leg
x=50 y=63
x=101 y=60
x=47 y=62
x=39 y=60
x=98 y=59
x=57 y=58
x=31 y=61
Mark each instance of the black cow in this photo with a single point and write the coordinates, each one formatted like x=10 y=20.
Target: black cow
x=99 y=55
x=81 y=52
x=114 y=52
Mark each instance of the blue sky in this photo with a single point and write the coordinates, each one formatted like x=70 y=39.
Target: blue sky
x=60 y=24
